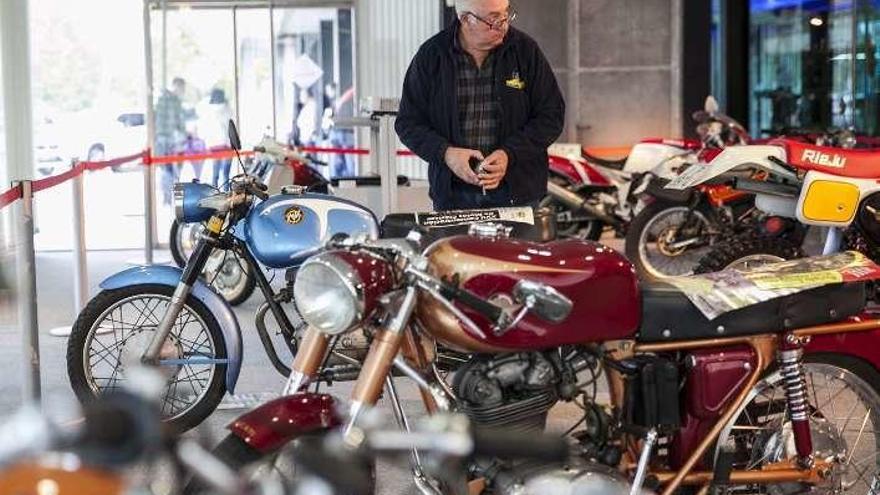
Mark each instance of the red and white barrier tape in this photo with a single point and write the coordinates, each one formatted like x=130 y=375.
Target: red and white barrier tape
x=10 y=196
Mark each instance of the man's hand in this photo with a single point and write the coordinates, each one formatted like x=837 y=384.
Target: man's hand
x=458 y=160
x=494 y=169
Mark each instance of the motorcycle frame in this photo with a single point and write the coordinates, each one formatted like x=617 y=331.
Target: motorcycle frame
x=392 y=339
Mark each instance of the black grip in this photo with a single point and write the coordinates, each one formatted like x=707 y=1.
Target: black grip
x=518 y=445
x=259 y=149
x=258 y=189
x=492 y=312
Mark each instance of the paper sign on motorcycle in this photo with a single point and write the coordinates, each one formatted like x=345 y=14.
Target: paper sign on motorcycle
x=727 y=160
x=728 y=290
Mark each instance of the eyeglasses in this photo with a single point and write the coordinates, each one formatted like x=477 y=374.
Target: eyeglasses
x=495 y=24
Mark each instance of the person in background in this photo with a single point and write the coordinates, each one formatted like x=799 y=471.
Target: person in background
x=194 y=145
x=307 y=118
x=214 y=121
x=170 y=132
x=340 y=165
x=481 y=91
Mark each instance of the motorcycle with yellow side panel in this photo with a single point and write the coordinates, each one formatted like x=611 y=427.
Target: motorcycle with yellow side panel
x=816 y=186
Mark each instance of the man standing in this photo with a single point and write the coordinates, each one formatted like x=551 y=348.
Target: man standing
x=481 y=91
x=170 y=132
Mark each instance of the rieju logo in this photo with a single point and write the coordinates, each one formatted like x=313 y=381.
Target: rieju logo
x=824 y=159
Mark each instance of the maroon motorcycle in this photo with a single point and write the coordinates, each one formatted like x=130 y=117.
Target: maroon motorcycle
x=778 y=396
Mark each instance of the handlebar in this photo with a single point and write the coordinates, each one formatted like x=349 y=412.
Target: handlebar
x=485 y=308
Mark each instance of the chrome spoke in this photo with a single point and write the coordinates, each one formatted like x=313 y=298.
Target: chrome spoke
x=859 y=438
x=126 y=320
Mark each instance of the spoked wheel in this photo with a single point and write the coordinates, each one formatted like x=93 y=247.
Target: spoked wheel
x=225 y=271
x=844 y=408
x=667 y=240
x=182 y=240
x=115 y=329
x=230 y=276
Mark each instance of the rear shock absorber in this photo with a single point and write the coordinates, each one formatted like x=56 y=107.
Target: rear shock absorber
x=794 y=383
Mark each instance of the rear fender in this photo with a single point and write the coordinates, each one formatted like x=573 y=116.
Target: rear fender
x=862 y=345
x=170 y=276
x=759 y=156
x=273 y=424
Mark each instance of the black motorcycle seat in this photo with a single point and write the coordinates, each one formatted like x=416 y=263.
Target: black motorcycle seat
x=668 y=315
x=368 y=180
x=603 y=162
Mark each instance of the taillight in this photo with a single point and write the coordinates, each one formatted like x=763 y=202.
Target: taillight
x=706 y=155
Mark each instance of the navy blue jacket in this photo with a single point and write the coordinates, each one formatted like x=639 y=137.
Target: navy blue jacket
x=531 y=106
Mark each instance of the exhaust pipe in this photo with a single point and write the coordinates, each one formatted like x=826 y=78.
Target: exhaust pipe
x=578 y=203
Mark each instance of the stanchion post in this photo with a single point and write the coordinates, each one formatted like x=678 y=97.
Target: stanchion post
x=27 y=293
x=386 y=156
x=80 y=261
x=148 y=212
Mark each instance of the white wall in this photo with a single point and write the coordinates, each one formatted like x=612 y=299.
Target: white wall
x=388 y=34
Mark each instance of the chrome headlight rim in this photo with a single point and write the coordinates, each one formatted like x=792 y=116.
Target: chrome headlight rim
x=178 y=194
x=351 y=281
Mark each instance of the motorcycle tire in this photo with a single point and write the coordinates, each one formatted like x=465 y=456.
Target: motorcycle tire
x=111 y=304
x=250 y=283
x=646 y=217
x=181 y=257
x=236 y=454
x=737 y=252
x=850 y=377
x=174 y=245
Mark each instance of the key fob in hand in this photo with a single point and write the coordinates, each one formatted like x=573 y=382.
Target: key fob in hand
x=475 y=162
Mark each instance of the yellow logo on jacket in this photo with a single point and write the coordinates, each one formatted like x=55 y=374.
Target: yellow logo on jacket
x=515 y=82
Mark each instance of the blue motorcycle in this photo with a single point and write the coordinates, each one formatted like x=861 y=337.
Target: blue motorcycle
x=169 y=317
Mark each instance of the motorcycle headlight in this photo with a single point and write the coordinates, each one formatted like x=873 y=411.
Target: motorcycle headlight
x=187 y=196
x=328 y=293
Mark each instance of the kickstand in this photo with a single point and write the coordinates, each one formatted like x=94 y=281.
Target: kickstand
x=644 y=457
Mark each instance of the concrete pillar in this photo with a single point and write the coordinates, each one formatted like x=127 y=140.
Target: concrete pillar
x=18 y=118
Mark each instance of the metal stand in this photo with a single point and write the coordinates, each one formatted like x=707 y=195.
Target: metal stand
x=80 y=266
x=380 y=114
x=27 y=294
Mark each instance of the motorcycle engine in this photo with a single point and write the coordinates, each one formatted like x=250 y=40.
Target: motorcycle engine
x=514 y=390
x=583 y=478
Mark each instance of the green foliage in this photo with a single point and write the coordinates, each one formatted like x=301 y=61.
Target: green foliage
x=66 y=69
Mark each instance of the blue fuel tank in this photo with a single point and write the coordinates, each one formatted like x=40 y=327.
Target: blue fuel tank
x=284 y=230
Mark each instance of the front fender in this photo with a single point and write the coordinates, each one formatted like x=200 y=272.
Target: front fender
x=170 y=276
x=273 y=424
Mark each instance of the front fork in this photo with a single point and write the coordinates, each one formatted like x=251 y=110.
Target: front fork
x=194 y=266
x=380 y=358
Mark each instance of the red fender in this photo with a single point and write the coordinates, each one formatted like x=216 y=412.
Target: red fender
x=273 y=424
x=862 y=345
x=568 y=168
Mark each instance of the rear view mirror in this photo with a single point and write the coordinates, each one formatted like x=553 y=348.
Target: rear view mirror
x=711 y=105
x=544 y=301
x=234 y=140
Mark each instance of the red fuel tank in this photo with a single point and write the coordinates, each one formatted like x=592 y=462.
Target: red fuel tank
x=599 y=281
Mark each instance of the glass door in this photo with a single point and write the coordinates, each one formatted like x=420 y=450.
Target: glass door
x=804 y=66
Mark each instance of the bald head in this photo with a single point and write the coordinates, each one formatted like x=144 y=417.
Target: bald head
x=481 y=6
